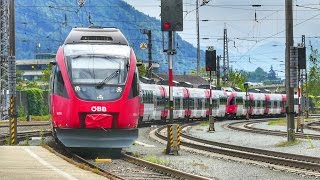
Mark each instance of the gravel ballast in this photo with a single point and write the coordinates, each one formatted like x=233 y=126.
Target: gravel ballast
x=207 y=165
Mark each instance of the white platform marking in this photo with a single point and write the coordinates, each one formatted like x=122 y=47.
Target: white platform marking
x=45 y=163
x=143 y=144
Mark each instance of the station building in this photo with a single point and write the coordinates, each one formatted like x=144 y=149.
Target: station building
x=32 y=69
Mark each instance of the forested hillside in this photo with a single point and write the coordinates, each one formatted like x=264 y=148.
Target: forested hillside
x=41 y=27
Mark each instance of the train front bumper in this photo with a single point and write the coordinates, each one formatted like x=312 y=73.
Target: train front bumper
x=96 y=138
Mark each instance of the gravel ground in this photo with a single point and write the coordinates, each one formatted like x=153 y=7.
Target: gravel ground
x=208 y=165
x=305 y=147
x=265 y=125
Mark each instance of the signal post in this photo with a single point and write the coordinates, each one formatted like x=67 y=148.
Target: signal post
x=210 y=66
x=171 y=21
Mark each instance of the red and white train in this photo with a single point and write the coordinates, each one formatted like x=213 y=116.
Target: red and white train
x=94 y=90
x=193 y=103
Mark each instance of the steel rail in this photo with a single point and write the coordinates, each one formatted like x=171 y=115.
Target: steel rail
x=313 y=126
x=165 y=170
x=66 y=153
x=248 y=128
x=23 y=135
x=296 y=161
x=25 y=124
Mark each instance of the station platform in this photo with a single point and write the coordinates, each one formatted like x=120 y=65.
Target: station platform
x=36 y=162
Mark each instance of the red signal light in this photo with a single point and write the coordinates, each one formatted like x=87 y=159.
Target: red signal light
x=166 y=25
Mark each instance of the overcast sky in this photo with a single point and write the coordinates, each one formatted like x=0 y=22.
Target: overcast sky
x=249 y=28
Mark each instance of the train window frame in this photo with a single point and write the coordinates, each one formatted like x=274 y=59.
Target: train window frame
x=134 y=90
x=238 y=101
x=59 y=86
x=191 y=103
x=214 y=103
x=233 y=100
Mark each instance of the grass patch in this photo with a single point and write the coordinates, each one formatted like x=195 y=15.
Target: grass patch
x=310 y=142
x=156 y=160
x=204 y=123
x=286 y=143
x=36 y=118
x=26 y=143
x=281 y=122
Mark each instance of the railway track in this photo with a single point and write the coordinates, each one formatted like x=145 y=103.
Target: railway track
x=125 y=167
x=23 y=135
x=313 y=126
x=247 y=126
x=26 y=124
x=299 y=163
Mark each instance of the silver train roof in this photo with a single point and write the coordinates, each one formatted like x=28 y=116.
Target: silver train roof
x=96 y=35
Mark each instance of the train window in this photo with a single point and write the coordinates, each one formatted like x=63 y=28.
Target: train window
x=206 y=103
x=134 y=91
x=58 y=83
x=177 y=103
x=199 y=104
x=239 y=100
x=159 y=102
x=196 y=104
x=191 y=103
x=247 y=103
x=214 y=103
x=223 y=101
x=143 y=96
x=185 y=103
x=268 y=104
x=166 y=103
x=232 y=101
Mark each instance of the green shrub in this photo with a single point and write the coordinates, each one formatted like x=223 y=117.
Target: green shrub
x=35 y=102
x=22 y=112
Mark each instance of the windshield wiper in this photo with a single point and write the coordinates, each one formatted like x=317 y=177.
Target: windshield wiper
x=108 y=78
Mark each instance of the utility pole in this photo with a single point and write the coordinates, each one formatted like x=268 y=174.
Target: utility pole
x=303 y=76
x=225 y=56
x=218 y=71
x=12 y=75
x=198 y=38
x=289 y=89
x=301 y=79
x=148 y=33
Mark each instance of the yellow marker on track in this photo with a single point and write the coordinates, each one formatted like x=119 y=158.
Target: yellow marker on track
x=103 y=160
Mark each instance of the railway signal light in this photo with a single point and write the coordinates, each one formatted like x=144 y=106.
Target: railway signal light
x=171 y=15
x=302 y=57
x=210 y=60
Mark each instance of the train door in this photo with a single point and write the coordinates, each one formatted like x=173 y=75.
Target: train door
x=163 y=103
x=178 y=94
x=267 y=104
x=186 y=97
x=222 y=104
x=239 y=100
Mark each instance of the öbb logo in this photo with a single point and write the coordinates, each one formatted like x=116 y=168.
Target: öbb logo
x=99 y=109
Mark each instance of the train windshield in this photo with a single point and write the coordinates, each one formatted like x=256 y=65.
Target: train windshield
x=97 y=72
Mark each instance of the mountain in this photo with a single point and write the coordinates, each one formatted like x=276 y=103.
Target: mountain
x=41 y=27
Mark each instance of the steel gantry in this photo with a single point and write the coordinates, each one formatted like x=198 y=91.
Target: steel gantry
x=8 y=68
x=4 y=58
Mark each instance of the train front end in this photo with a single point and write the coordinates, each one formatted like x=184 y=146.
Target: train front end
x=94 y=90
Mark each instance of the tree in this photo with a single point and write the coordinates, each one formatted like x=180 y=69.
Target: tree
x=46 y=73
x=237 y=79
x=313 y=77
x=259 y=75
x=272 y=74
x=142 y=69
